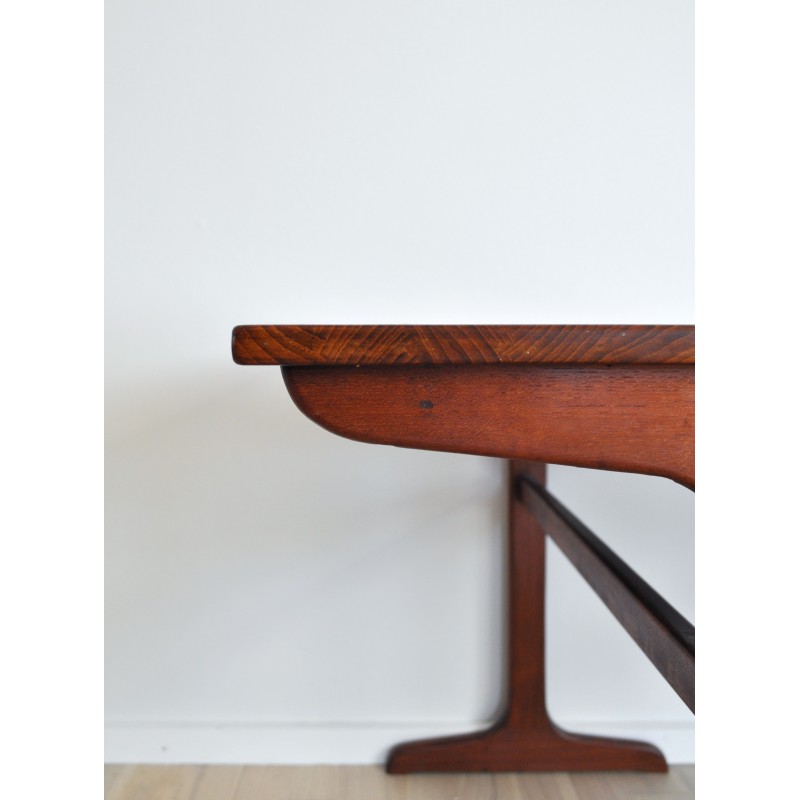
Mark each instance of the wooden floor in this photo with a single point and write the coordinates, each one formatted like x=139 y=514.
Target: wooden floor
x=148 y=782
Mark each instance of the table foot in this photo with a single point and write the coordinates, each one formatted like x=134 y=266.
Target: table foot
x=509 y=749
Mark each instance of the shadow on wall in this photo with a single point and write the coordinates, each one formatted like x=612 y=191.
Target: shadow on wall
x=260 y=568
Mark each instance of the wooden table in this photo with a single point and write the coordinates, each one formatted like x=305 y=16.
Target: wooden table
x=606 y=397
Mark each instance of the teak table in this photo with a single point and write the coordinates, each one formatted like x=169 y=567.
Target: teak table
x=606 y=397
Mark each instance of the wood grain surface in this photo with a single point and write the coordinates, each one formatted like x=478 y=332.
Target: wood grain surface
x=351 y=345
x=625 y=418
x=329 y=782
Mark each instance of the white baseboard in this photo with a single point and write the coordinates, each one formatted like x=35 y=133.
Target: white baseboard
x=344 y=743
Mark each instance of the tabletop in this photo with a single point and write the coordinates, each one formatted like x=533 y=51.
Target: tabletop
x=364 y=345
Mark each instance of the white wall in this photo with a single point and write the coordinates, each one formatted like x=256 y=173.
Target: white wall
x=275 y=593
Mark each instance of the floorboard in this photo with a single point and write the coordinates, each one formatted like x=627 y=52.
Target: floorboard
x=159 y=782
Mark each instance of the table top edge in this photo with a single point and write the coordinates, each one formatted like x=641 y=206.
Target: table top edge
x=387 y=345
